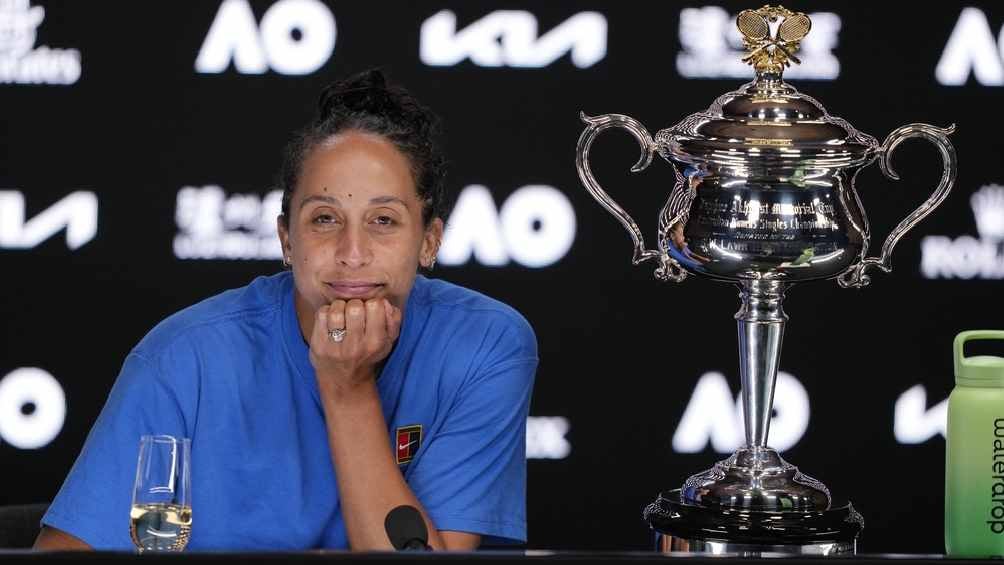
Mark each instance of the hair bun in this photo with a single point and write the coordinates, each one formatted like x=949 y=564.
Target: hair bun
x=365 y=91
x=370 y=78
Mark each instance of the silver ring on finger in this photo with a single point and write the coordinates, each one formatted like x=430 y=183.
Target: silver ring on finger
x=337 y=334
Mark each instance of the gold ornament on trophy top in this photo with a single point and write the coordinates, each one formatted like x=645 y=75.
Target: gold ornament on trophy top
x=772 y=34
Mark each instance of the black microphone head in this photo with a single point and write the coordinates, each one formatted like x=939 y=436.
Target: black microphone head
x=406 y=528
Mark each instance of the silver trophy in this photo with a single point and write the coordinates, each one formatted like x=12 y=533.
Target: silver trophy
x=764 y=198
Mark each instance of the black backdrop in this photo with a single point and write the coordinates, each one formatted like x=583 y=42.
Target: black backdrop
x=621 y=354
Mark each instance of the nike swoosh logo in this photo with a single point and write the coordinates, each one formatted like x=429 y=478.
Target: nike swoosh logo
x=404 y=445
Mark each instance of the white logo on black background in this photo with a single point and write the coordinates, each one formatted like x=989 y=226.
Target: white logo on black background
x=508 y=38
x=967 y=257
x=913 y=421
x=545 y=437
x=213 y=225
x=23 y=63
x=972 y=49
x=713 y=47
x=535 y=227
x=295 y=37
x=32 y=408
x=77 y=213
x=713 y=416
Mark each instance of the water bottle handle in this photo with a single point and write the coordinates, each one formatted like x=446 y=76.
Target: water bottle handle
x=856 y=275
x=963 y=337
x=669 y=269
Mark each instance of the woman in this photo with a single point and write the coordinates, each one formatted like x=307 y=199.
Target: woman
x=297 y=388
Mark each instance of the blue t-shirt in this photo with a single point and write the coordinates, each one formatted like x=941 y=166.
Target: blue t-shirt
x=233 y=374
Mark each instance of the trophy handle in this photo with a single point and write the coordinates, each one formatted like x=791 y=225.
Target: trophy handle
x=856 y=275
x=668 y=269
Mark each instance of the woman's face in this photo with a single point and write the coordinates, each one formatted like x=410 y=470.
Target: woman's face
x=355 y=225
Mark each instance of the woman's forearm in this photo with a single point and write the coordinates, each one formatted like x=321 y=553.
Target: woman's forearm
x=369 y=482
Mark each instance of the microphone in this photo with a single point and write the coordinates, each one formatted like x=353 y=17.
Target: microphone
x=406 y=529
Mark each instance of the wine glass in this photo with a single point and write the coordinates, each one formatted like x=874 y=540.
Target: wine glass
x=161 y=514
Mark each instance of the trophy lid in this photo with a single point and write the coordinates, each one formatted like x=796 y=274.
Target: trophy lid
x=767 y=123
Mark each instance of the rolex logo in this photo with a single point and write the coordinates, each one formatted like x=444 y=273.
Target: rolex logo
x=988 y=207
x=965 y=256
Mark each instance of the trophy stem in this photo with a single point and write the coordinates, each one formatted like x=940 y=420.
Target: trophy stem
x=755 y=477
x=761 y=323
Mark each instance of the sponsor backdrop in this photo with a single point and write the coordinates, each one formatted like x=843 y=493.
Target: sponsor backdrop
x=139 y=143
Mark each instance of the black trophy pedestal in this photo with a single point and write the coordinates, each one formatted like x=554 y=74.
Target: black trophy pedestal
x=681 y=526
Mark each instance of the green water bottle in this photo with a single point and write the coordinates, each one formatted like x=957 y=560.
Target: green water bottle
x=974 y=468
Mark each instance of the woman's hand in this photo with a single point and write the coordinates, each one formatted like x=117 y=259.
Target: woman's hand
x=371 y=327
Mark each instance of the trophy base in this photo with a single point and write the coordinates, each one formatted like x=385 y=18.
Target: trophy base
x=681 y=526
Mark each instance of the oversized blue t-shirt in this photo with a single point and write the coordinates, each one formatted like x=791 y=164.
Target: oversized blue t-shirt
x=233 y=374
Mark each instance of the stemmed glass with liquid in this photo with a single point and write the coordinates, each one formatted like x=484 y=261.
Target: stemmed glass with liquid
x=161 y=515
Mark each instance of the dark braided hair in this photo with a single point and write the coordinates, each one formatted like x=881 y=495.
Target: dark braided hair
x=366 y=103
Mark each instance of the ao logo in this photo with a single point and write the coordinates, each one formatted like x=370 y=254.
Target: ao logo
x=712 y=415
x=508 y=38
x=77 y=213
x=32 y=408
x=535 y=227
x=713 y=48
x=967 y=257
x=972 y=48
x=296 y=37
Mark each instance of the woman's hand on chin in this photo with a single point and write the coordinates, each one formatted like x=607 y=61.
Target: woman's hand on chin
x=346 y=359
